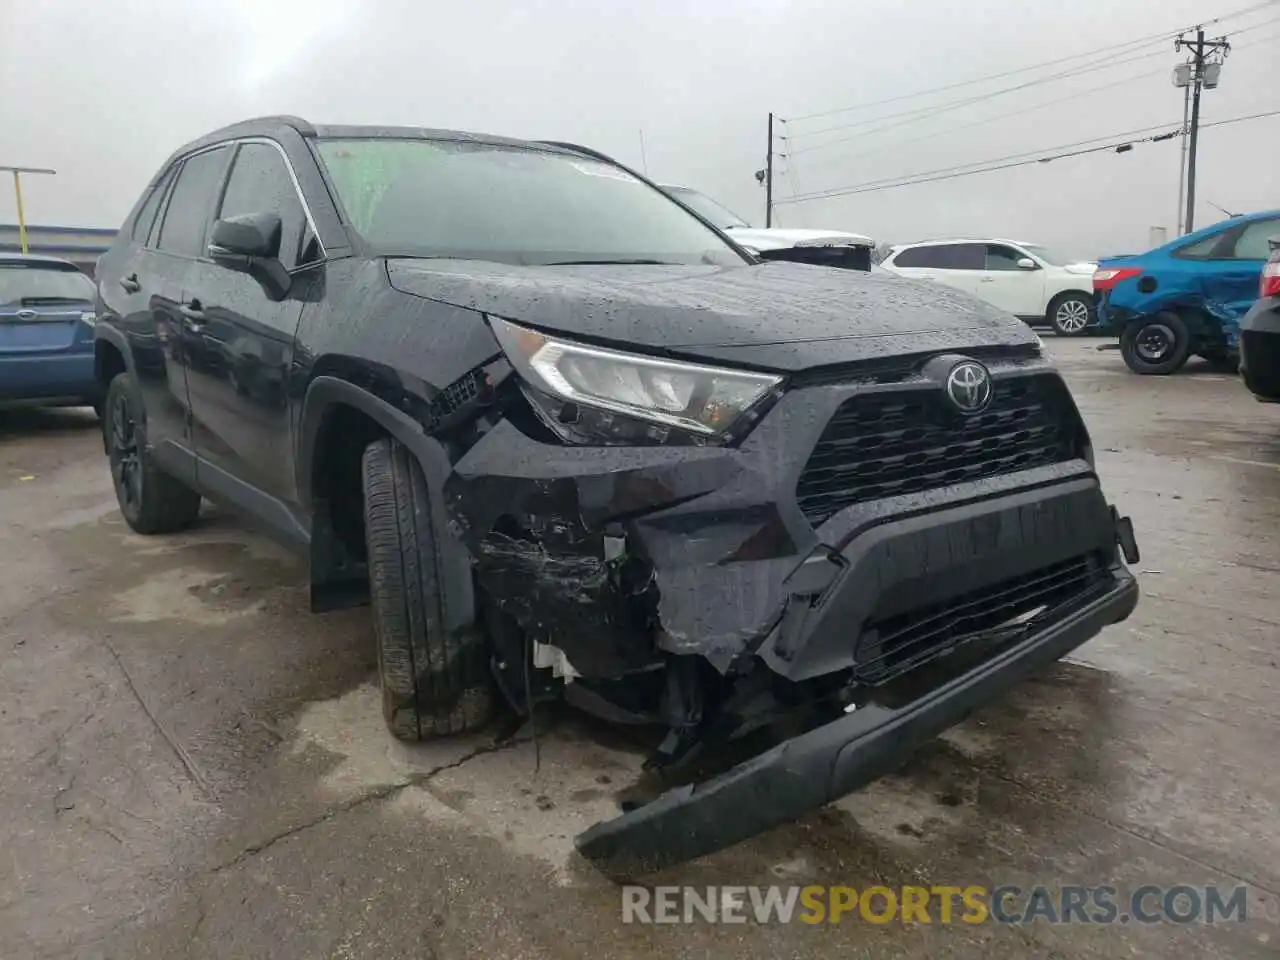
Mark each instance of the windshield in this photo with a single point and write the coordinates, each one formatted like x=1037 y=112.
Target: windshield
x=722 y=217
x=1051 y=257
x=516 y=205
x=20 y=283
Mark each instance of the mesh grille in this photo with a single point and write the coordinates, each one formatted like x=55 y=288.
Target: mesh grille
x=889 y=444
x=891 y=646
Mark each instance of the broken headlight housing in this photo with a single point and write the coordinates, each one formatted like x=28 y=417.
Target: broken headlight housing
x=590 y=394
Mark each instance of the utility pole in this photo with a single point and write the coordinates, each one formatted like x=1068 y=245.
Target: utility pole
x=1182 y=163
x=17 y=196
x=768 y=178
x=1204 y=74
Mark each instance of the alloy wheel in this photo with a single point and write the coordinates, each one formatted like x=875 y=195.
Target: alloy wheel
x=1072 y=316
x=126 y=455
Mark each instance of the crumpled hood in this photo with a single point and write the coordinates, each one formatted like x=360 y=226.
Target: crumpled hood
x=783 y=316
x=779 y=238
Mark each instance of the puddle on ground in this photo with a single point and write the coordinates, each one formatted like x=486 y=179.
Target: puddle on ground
x=190 y=595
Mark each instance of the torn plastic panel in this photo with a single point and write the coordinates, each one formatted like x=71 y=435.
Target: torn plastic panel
x=709 y=544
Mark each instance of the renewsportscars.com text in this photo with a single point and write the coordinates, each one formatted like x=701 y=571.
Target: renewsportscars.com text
x=1006 y=904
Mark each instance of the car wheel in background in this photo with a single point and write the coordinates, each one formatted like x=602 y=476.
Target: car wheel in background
x=1156 y=345
x=150 y=500
x=1070 y=314
x=433 y=683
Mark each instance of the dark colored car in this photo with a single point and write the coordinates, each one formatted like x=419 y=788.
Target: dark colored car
x=571 y=441
x=1260 y=333
x=1185 y=298
x=46 y=333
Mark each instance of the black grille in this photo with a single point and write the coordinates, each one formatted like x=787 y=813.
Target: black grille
x=887 y=444
x=455 y=396
x=891 y=646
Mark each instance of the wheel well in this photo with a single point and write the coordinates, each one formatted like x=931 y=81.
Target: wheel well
x=339 y=577
x=335 y=471
x=108 y=361
x=1058 y=298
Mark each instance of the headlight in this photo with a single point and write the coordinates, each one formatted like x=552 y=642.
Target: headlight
x=705 y=401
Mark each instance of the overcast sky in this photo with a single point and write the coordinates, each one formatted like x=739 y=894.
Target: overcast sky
x=104 y=91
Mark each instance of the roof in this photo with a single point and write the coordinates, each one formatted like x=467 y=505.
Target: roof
x=267 y=126
x=940 y=240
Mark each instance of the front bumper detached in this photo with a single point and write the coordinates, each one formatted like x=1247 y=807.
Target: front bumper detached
x=831 y=761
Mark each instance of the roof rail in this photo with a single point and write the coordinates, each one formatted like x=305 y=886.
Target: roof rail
x=304 y=127
x=578 y=148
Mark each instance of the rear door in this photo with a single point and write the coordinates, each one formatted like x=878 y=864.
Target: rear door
x=1240 y=259
x=46 y=322
x=957 y=265
x=158 y=333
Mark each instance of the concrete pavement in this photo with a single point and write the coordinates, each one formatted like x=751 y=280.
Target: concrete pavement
x=192 y=765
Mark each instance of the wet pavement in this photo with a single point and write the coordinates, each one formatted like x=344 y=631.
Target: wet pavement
x=192 y=765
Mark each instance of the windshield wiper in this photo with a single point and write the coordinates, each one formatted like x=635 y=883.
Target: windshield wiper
x=630 y=262
x=34 y=301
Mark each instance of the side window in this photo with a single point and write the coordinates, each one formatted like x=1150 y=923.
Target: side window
x=1002 y=258
x=260 y=183
x=959 y=256
x=912 y=257
x=186 y=218
x=1201 y=249
x=1252 y=242
x=147 y=215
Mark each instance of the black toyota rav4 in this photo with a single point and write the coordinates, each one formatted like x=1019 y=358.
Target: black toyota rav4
x=569 y=441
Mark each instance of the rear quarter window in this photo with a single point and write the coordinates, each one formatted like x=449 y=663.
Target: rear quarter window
x=142 y=223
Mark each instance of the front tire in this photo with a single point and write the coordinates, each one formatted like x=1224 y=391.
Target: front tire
x=151 y=501
x=1157 y=345
x=1070 y=314
x=433 y=683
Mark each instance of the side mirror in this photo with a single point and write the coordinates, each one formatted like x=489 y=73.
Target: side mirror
x=1026 y=263
x=249 y=235
x=250 y=244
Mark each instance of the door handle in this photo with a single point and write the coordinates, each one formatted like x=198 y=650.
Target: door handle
x=130 y=283
x=985 y=279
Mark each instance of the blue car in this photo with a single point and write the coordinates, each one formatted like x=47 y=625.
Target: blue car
x=1187 y=297
x=46 y=333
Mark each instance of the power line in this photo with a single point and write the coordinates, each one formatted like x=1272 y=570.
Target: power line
x=1003 y=116
x=921 y=113
x=1010 y=156
x=1255 y=26
x=1140 y=41
x=1040 y=106
x=961 y=171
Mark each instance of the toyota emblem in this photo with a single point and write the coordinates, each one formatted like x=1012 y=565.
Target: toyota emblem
x=969 y=386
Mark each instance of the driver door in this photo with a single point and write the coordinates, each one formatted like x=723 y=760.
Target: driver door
x=1012 y=288
x=240 y=399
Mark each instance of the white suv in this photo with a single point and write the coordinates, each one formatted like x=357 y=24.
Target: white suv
x=1023 y=278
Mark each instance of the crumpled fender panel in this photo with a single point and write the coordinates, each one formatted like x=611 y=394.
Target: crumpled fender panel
x=581 y=547
x=1184 y=293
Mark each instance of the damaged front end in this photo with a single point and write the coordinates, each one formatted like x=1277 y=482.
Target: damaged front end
x=793 y=559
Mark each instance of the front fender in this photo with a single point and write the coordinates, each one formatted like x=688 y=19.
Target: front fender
x=326 y=392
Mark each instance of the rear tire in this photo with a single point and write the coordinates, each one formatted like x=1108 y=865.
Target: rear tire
x=1070 y=314
x=433 y=684
x=1157 y=345
x=151 y=501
